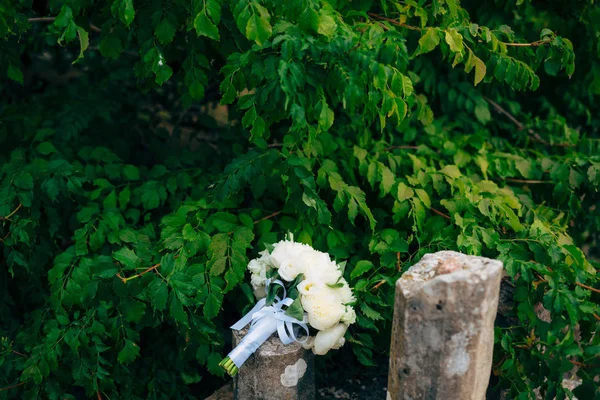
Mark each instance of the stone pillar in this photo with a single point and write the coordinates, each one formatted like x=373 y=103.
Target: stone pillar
x=275 y=372
x=443 y=329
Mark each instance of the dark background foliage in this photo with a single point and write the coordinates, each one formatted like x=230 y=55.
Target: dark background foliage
x=149 y=148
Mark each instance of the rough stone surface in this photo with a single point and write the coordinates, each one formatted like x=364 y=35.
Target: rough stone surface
x=443 y=329
x=275 y=372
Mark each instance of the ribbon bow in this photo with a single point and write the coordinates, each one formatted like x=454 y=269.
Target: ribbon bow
x=285 y=323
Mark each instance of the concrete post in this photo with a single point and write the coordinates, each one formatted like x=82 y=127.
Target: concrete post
x=443 y=328
x=275 y=372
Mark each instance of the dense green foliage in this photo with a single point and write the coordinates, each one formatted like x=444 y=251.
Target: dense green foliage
x=376 y=131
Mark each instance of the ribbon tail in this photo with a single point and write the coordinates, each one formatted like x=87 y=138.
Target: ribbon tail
x=246 y=319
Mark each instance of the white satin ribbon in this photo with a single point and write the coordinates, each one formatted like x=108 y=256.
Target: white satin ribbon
x=266 y=320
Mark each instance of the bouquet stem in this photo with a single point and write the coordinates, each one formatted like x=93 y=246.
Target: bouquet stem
x=229 y=366
x=257 y=335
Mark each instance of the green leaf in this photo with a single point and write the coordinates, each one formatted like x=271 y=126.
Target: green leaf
x=404 y=192
x=387 y=179
x=361 y=268
x=127 y=12
x=84 y=42
x=176 y=310
x=14 y=73
x=212 y=306
x=46 y=148
x=309 y=20
x=23 y=180
x=158 y=293
x=327 y=25
x=295 y=310
x=454 y=40
x=205 y=27
x=428 y=41
x=325 y=117
x=127 y=258
x=129 y=352
x=480 y=70
x=64 y=17
x=110 y=46
x=131 y=172
x=424 y=197
x=165 y=31
x=369 y=312
x=258 y=29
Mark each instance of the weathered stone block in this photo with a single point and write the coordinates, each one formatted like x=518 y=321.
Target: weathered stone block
x=443 y=329
x=275 y=372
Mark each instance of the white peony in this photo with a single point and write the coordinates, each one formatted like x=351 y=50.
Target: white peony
x=332 y=338
x=285 y=256
x=286 y=250
x=260 y=292
x=319 y=268
x=258 y=268
x=349 y=316
x=255 y=266
x=346 y=293
x=323 y=306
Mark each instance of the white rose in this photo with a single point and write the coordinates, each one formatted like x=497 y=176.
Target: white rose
x=349 y=316
x=328 y=339
x=324 y=307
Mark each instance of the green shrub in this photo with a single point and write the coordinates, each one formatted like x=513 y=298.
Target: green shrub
x=377 y=131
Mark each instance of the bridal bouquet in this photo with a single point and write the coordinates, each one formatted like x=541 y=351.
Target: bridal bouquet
x=298 y=287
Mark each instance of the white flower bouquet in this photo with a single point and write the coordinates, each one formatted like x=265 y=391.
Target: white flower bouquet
x=298 y=287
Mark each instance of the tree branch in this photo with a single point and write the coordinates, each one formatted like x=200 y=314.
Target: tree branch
x=532 y=44
x=12 y=387
x=124 y=280
x=393 y=21
x=534 y=135
x=401 y=147
x=441 y=214
x=12 y=213
x=587 y=287
x=42 y=19
x=526 y=181
x=276 y=213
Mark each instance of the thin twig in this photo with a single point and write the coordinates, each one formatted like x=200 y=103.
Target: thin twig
x=534 y=135
x=526 y=181
x=12 y=387
x=596 y=316
x=42 y=19
x=379 y=284
x=393 y=21
x=12 y=213
x=501 y=110
x=531 y=44
x=276 y=213
x=401 y=147
x=98 y=394
x=441 y=214
x=587 y=287
x=152 y=268
x=17 y=353
x=582 y=365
